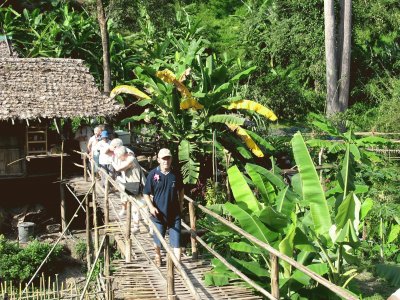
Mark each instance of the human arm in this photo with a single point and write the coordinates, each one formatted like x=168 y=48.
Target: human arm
x=153 y=210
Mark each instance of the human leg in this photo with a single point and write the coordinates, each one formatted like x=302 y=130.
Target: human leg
x=157 y=244
x=175 y=237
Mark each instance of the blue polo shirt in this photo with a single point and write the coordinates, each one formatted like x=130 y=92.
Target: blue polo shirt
x=164 y=189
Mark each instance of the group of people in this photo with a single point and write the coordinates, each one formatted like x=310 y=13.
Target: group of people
x=162 y=190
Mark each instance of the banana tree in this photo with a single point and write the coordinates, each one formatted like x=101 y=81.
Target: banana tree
x=193 y=99
x=299 y=219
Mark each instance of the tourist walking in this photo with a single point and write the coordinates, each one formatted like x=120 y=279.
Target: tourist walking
x=162 y=193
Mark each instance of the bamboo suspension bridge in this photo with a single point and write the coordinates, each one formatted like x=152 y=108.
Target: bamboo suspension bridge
x=136 y=276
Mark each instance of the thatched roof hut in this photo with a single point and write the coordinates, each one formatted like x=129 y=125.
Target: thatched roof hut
x=32 y=88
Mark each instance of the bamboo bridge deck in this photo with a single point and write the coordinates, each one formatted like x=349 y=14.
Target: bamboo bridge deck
x=141 y=278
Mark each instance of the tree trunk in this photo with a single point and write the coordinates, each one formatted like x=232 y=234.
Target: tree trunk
x=101 y=17
x=345 y=54
x=332 y=103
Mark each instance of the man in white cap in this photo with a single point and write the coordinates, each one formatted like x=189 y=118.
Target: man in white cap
x=164 y=205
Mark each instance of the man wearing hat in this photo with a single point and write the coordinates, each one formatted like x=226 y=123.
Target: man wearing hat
x=161 y=192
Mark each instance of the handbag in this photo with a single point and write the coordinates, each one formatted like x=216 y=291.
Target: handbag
x=134 y=188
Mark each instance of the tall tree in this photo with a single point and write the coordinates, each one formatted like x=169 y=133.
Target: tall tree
x=337 y=57
x=101 y=17
x=332 y=105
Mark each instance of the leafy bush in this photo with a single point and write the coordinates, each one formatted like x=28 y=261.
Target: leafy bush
x=19 y=264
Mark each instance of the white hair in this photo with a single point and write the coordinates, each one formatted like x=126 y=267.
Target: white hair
x=116 y=143
x=120 y=151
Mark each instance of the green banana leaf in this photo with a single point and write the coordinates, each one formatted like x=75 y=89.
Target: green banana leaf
x=390 y=272
x=250 y=267
x=311 y=186
x=284 y=203
x=394 y=233
x=190 y=168
x=349 y=209
x=244 y=247
x=229 y=119
x=241 y=191
x=251 y=223
x=260 y=141
x=258 y=182
x=286 y=246
x=320 y=269
x=347 y=235
x=273 y=219
x=276 y=180
x=347 y=173
x=366 y=206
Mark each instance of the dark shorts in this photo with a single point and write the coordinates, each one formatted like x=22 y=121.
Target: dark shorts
x=174 y=232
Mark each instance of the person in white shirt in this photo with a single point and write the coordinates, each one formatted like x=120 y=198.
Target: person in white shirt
x=131 y=171
x=83 y=135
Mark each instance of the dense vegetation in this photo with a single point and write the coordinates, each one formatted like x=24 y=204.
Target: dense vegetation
x=191 y=62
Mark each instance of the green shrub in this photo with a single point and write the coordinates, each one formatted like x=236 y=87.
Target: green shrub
x=19 y=264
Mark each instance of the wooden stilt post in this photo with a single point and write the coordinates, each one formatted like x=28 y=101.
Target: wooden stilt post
x=94 y=204
x=84 y=168
x=62 y=194
x=192 y=215
x=107 y=241
x=274 y=276
x=170 y=279
x=128 y=241
x=88 y=235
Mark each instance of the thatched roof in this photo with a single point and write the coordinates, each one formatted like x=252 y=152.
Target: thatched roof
x=33 y=88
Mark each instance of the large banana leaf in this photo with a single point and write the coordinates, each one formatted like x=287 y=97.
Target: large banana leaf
x=276 y=180
x=247 y=139
x=253 y=106
x=251 y=223
x=261 y=141
x=286 y=246
x=190 y=168
x=126 y=89
x=229 y=119
x=319 y=268
x=346 y=176
x=284 y=203
x=349 y=209
x=273 y=219
x=241 y=191
x=390 y=272
x=257 y=180
x=245 y=247
x=312 y=189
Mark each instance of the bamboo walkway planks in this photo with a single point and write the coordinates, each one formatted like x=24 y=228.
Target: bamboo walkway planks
x=141 y=279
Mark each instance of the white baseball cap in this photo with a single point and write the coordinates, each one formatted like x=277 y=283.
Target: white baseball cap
x=164 y=152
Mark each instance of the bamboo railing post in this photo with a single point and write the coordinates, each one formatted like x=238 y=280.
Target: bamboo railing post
x=62 y=194
x=94 y=203
x=128 y=241
x=192 y=215
x=170 y=279
x=274 y=276
x=107 y=240
x=88 y=235
x=84 y=168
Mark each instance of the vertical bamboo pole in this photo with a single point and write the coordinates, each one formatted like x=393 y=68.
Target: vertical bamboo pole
x=107 y=241
x=88 y=236
x=128 y=241
x=94 y=203
x=84 y=168
x=62 y=194
x=274 y=276
x=170 y=279
x=192 y=215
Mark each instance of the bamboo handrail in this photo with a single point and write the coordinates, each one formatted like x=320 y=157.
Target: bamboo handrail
x=227 y=264
x=92 y=269
x=334 y=288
